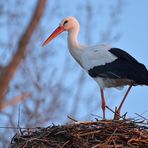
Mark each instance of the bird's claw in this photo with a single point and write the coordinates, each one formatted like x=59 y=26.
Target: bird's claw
x=117 y=114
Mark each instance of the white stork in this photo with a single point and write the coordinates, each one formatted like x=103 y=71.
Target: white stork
x=108 y=66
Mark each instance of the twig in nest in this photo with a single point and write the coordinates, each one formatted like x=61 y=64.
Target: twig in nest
x=123 y=117
x=142 y=117
x=89 y=133
x=72 y=119
x=65 y=144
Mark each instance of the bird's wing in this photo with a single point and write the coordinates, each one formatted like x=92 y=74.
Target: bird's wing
x=96 y=55
x=121 y=54
x=124 y=67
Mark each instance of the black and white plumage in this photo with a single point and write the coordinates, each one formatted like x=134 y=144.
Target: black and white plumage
x=124 y=70
x=108 y=66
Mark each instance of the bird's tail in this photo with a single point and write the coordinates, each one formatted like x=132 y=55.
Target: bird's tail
x=143 y=77
x=147 y=79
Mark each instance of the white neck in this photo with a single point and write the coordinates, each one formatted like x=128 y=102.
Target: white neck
x=72 y=38
x=74 y=47
x=73 y=44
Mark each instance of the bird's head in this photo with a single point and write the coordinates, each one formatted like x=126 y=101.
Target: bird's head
x=66 y=24
x=69 y=23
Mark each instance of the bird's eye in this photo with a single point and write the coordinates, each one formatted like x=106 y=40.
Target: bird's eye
x=65 y=22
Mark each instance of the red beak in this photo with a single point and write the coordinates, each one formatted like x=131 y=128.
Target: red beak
x=57 y=31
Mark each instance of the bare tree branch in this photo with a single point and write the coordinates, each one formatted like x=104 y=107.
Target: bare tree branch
x=15 y=100
x=8 y=72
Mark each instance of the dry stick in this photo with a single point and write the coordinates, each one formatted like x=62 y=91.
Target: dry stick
x=11 y=127
x=97 y=145
x=123 y=117
x=96 y=116
x=111 y=135
x=19 y=113
x=94 y=122
x=65 y=143
x=142 y=117
x=89 y=133
x=72 y=119
x=34 y=139
x=86 y=122
x=115 y=112
x=114 y=143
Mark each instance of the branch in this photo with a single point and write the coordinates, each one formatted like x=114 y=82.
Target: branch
x=9 y=71
x=15 y=101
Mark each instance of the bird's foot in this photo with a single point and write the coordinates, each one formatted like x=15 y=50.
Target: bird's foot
x=117 y=114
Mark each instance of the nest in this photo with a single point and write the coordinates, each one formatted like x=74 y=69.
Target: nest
x=99 y=134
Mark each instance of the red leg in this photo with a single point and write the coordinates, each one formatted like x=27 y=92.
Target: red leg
x=103 y=102
x=117 y=113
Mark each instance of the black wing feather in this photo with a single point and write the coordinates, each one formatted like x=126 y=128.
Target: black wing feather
x=124 y=67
